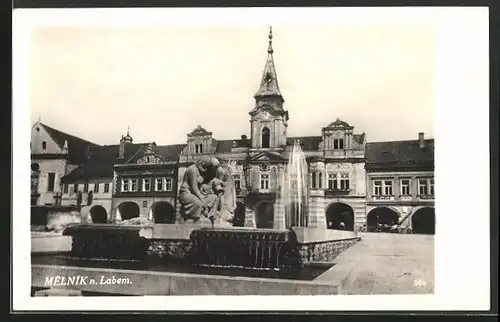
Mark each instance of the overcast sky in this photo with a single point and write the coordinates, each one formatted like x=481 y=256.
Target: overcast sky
x=164 y=81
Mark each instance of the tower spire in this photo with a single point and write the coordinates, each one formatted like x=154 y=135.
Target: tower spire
x=269 y=83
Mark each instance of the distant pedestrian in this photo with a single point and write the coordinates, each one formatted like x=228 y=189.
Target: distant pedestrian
x=342 y=225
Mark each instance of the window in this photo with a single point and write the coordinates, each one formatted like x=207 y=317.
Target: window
x=266 y=137
x=344 y=182
x=425 y=187
x=201 y=148
x=65 y=188
x=422 y=187
x=96 y=187
x=168 y=184
x=52 y=181
x=377 y=188
x=198 y=148
x=159 y=184
x=316 y=180
x=106 y=188
x=388 y=187
x=237 y=181
x=125 y=185
x=133 y=184
x=164 y=184
x=264 y=181
x=85 y=187
x=146 y=184
x=405 y=187
x=44 y=145
x=332 y=181
x=75 y=188
x=338 y=144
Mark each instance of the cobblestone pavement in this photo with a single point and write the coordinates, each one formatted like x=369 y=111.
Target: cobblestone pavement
x=391 y=264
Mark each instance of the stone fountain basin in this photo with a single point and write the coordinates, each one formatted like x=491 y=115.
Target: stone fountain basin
x=309 y=247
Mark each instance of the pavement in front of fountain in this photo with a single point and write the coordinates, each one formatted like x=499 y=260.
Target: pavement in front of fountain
x=386 y=264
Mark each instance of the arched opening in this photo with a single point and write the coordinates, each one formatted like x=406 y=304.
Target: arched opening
x=423 y=221
x=239 y=215
x=381 y=219
x=98 y=215
x=129 y=210
x=163 y=213
x=340 y=216
x=296 y=215
x=266 y=137
x=264 y=215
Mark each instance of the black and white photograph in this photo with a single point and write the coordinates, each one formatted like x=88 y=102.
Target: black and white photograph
x=251 y=151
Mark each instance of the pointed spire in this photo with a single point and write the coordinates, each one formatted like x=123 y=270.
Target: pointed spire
x=269 y=83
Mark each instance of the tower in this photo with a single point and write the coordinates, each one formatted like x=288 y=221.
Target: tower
x=268 y=118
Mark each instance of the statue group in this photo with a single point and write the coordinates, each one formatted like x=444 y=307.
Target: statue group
x=207 y=192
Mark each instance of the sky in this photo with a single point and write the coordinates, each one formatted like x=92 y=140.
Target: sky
x=163 y=81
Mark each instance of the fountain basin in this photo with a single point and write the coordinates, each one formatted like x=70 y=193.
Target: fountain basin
x=198 y=245
x=109 y=242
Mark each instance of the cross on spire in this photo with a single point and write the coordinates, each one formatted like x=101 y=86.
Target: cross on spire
x=270 y=47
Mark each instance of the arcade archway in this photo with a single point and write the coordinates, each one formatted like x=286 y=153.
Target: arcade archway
x=129 y=210
x=423 y=221
x=239 y=215
x=163 y=213
x=264 y=215
x=380 y=218
x=98 y=215
x=340 y=216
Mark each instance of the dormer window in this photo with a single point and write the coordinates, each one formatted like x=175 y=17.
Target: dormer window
x=198 y=148
x=338 y=144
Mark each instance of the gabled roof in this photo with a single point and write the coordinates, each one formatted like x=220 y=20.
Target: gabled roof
x=101 y=162
x=78 y=149
x=400 y=152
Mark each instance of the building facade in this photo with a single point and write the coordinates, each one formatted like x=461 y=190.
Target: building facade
x=400 y=184
x=54 y=154
x=130 y=180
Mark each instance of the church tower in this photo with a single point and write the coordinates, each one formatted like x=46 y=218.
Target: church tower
x=268 y=118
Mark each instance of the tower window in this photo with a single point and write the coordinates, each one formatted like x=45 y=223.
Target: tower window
x=44 y=145
x=338 y=144
x=52 y=181
x=266 y=136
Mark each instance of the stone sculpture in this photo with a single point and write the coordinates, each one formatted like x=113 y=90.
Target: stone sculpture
x=207 y=192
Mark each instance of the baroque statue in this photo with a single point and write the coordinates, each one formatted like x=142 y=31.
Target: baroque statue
x=207 y=192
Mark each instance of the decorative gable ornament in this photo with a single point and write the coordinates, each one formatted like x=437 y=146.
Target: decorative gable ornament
x=199 y=131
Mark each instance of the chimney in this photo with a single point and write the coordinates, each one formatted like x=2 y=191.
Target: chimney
x=421 y=139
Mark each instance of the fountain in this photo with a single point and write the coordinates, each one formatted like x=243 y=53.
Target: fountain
x=209 y=246
x=294 y=192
